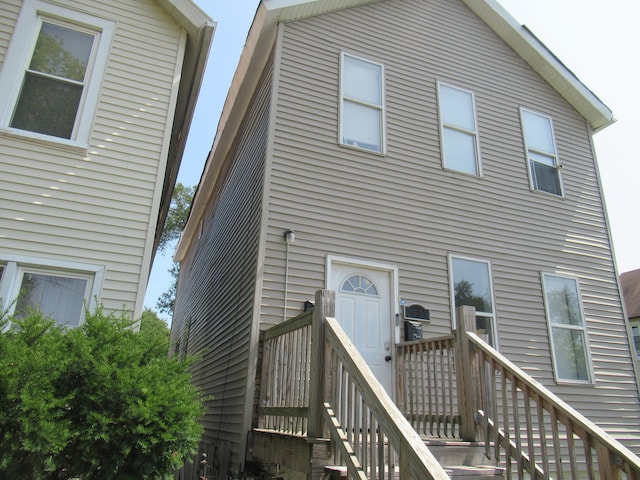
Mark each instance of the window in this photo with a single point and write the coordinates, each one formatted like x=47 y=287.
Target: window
x=635 y=329
x=59 y=290
x=544 y=169
x=359 y=284
x=52 y=73
x=458 y=131
x=567 y=331
x=362 y=109
x=471 y=285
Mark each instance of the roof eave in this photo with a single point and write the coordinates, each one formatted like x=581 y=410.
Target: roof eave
x=200 y=29
x=544 y=62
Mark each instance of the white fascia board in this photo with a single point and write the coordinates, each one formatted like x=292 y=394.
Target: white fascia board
x=543 y=61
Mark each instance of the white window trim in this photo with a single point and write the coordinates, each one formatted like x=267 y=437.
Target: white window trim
x=583 y=329
x=473 y=133
x=381 y=107
x=15 y=265
x=556 y=162
x=19 y=55
x=452 y=296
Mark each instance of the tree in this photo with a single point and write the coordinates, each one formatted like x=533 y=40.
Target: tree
x=98 y=402
x=177 y=215
x=176 y=220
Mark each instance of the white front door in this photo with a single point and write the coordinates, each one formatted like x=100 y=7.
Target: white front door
x=363 y=310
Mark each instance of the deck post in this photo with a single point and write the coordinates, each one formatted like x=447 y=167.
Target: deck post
x=325 y=306
x=467 y=405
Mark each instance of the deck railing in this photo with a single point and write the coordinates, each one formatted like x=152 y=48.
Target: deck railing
x=286 y=366
x=426 y=386
x=315 y=384
x=525 y=427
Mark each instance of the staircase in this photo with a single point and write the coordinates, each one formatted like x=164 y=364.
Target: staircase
x=461 y=461
x=318 y=393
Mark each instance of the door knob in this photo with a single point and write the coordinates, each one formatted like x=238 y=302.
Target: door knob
x=387 y=358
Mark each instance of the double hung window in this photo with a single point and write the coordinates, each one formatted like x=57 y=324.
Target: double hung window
x=362 y=104
x=471 y=285
x=567 y=331
x=53 y=72
x=59 y=291
x=459 y=135
x=544 y=169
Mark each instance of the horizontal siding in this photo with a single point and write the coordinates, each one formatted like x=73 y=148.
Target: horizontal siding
x=216 y=289
x=9 y=11
x=404 y=209
x=96 y=206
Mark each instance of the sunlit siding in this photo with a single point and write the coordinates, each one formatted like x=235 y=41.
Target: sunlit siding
x=97 y=206
x=216 y=290
x=403 y=209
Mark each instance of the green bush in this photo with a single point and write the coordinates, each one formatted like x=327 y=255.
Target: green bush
x=98 y=402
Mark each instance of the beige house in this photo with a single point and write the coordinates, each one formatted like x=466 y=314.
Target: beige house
x=412 y=156
x=97 y=99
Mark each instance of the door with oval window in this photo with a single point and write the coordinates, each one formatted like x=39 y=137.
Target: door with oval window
x=363 y=310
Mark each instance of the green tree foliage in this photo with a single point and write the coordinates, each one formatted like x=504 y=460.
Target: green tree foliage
x=176 y=220
x=97 y=402
x=177 y=215
x=167 y=300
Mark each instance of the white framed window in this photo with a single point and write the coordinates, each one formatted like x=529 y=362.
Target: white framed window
x=60 y=290
x=567 y=330
x=458 y=130
x=471 y=285
x=361 y=103
x=542 y=157
x=52 y=73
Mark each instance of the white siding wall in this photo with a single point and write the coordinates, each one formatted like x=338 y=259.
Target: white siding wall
x=404 y=209
x=100 y=203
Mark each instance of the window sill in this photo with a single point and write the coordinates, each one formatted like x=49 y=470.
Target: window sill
x=362 y=150
x=44 y=140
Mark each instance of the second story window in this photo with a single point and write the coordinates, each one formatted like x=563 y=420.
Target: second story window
x=52 y=73
x=459 y=136
x=54 y=81
x=544 y=169
x=361 y=104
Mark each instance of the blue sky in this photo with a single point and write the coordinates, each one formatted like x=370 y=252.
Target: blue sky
x=597 y=40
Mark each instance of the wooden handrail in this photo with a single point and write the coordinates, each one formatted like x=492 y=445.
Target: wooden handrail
x=415 y=459
x=596 y=437
x=535 y=430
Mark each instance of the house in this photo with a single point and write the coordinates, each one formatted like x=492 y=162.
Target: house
x=97 y=101
x=414 y=157
x=630 y=282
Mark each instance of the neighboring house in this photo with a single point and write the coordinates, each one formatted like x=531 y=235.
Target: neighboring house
x=422 y=152
x=97 y=100
x=630 y=282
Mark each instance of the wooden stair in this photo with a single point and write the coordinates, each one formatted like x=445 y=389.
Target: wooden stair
x=461 y=460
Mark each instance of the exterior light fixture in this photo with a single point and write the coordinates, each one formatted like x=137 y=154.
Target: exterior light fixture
x=289 y=237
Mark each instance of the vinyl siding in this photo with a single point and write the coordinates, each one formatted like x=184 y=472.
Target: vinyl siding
x=97 y=206
x=216 y=290
x=403 y=209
